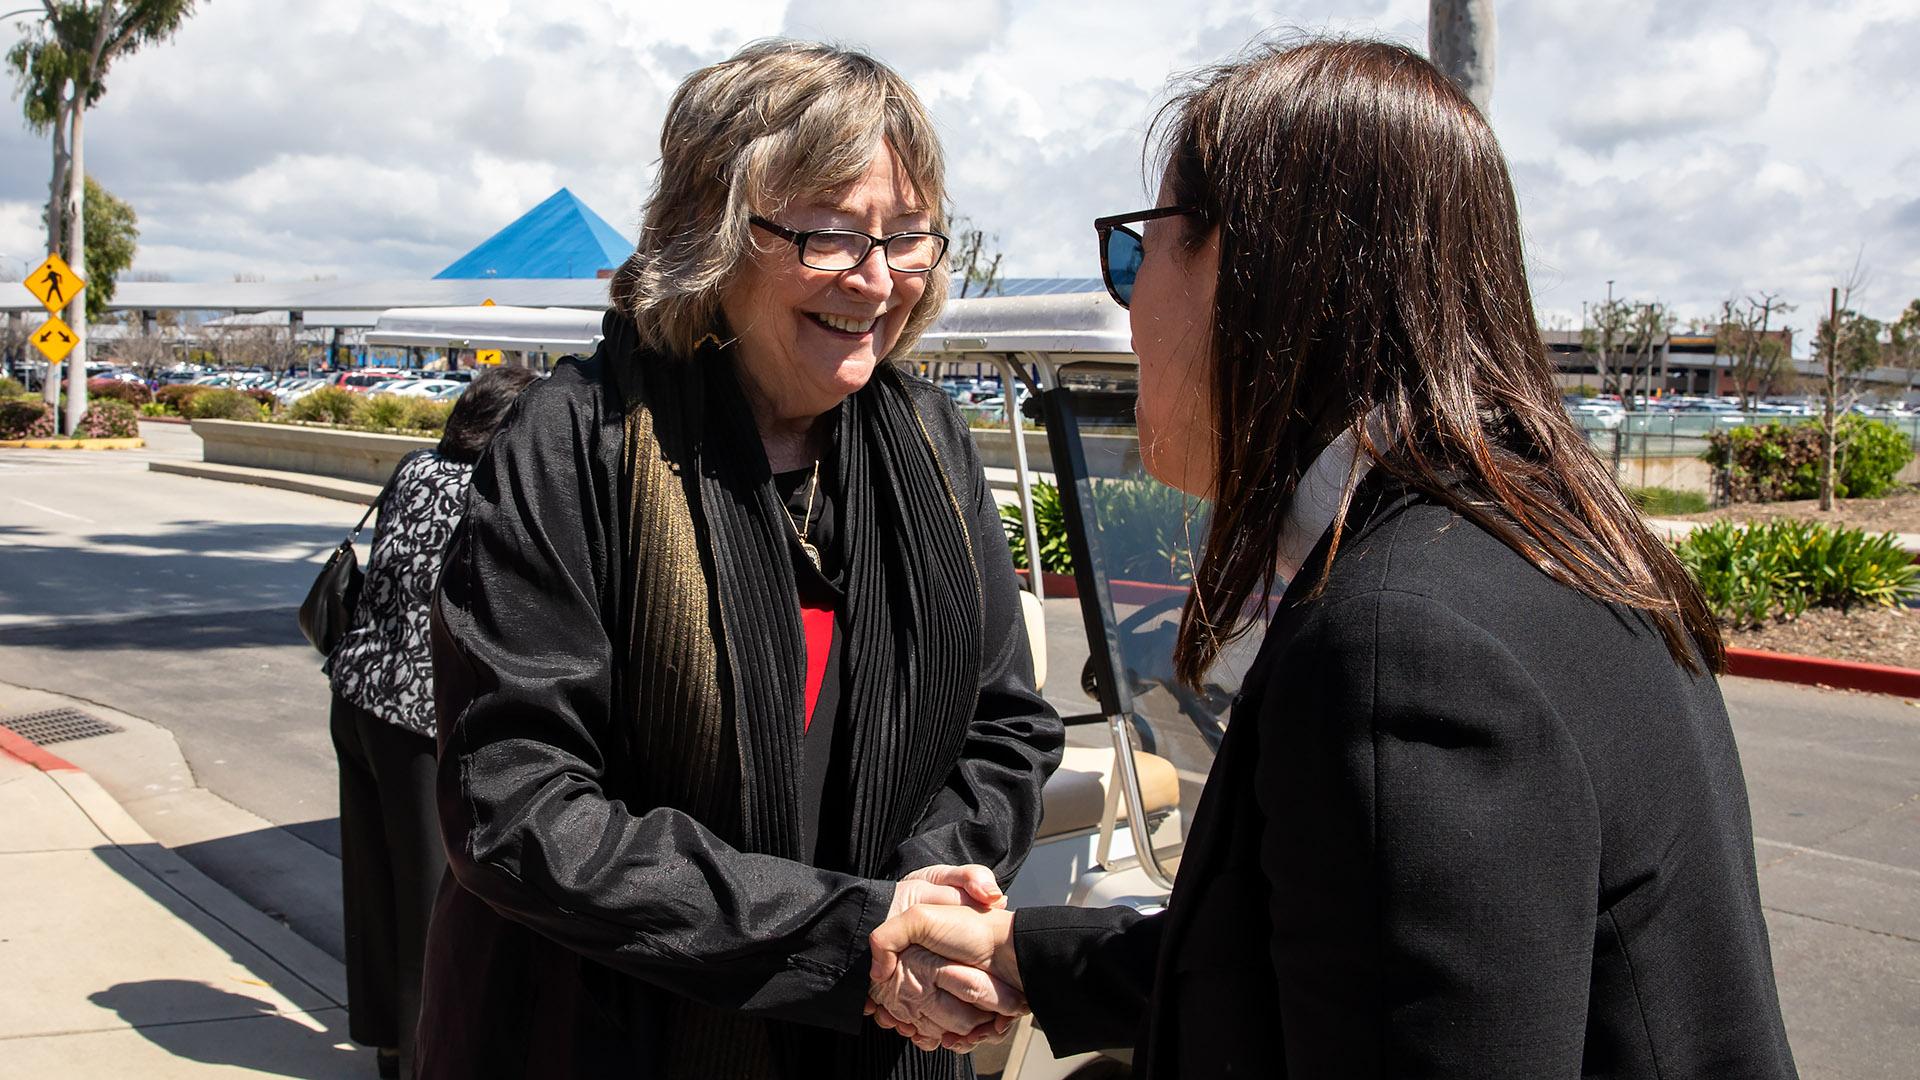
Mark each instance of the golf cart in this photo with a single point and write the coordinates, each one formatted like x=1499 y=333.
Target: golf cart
x=1140 y=745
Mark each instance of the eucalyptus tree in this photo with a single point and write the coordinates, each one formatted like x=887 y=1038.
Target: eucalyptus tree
x=60 y=71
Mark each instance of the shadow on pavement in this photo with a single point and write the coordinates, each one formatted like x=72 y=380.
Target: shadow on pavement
x=292 y=873
x=185 y=564
x=211 y=630
x=251 y=1034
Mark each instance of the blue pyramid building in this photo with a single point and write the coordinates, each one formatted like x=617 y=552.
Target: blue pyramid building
x=560 y=238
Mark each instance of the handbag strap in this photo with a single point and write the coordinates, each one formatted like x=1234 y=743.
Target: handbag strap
x=377 y=500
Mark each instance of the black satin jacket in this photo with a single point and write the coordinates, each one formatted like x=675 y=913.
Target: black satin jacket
x=573 y=913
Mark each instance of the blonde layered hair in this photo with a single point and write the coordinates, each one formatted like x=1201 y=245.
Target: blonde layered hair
x=778 y=121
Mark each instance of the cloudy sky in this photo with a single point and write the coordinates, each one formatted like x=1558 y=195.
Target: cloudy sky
x=1685 y=149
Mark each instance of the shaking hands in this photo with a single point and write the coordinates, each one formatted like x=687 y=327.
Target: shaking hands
x=943 y=966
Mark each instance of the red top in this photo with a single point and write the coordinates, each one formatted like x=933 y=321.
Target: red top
x=817 y=623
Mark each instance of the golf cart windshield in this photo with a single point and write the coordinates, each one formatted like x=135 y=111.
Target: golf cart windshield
x=1116 y=540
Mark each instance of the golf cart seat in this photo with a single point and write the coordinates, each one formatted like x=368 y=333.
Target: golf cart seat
x=1076 y=794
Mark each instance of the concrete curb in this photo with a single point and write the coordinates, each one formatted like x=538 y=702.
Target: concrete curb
x=300 y=958
x=326 y=487
x=72 y=444
x=1820 y=671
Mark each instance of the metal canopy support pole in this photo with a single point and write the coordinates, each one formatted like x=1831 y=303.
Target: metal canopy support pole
x=296 y=325
x=1023 y=476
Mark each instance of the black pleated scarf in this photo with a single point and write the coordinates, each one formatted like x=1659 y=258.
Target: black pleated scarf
x=717 y=657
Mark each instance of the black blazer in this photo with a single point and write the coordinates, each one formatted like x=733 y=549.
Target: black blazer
x=1465 y=822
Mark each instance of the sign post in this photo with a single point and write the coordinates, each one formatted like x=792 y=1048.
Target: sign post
x=56 y=285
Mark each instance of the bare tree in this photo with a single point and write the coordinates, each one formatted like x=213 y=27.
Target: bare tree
x=975 y=257
x=1848 y=344
x=146 y=353
x=1756 y=356
x=1625 y=338
x=269 y=347
x=1903 y=342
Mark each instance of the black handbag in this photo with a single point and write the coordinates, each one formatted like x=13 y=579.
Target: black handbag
x=327 y=612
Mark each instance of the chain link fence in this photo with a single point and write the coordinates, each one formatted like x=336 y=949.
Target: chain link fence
x=1665 y=449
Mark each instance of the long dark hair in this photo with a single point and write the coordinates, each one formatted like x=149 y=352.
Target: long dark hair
x=479 y=410
x=1370 y=259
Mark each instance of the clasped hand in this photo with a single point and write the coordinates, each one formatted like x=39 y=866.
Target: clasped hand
x=943 y=971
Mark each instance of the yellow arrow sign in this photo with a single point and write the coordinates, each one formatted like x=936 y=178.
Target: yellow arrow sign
x=54 y=283
x=487 y=356
x=54 y=339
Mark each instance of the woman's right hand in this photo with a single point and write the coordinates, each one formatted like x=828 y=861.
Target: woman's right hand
x=918 y=993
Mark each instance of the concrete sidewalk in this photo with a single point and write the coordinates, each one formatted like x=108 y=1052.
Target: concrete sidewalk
x=1671 y=529
x=123 y=960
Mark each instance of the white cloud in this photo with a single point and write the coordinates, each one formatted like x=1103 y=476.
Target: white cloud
x=920 y=36
x=1684 y=150
x=1675 y=87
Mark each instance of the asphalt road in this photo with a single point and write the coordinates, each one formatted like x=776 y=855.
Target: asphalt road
x=172 y=599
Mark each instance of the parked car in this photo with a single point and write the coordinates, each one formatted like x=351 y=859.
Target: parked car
x=1593 y=413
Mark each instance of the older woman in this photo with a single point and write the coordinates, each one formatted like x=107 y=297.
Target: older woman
x=729 y=643
x=1478 y=813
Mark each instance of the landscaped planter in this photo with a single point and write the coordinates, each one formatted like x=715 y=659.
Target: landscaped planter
x=346 y=455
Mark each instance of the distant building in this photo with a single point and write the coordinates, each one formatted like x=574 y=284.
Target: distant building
x=1682 y=363
x=560 y=238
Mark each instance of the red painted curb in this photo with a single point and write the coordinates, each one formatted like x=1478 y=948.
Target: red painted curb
x=1820 y=671
x=16 y=745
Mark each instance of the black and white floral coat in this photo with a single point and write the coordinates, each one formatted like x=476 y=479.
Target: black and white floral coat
x=383 y=664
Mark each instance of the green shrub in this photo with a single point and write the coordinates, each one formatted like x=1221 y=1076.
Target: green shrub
x=264 y=397
x=425 y=414
x=1777 y=570
x=176 y=396
x=154 y=408
x=118 y=390
x=11 y=389
x=385 y=412
x=327 y=405
x=1050 y=517
x=1776 y=461
x=1768 y=462
x=1144 y=530
x=26 y=418
x=1660 y=501
x=1869 y=455
x=109 y=419
x=220 y=403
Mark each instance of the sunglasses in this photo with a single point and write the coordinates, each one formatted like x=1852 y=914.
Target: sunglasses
x=1121 y=248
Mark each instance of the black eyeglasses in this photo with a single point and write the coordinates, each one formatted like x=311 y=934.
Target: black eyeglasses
x=844 y=249
x=1121 y=248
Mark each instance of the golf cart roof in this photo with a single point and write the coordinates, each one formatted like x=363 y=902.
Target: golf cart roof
x=1064 y=329
x=515 y=329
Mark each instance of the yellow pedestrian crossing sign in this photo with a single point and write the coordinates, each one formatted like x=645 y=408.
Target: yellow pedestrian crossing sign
x=487 y=356
x=54 y=339
x=54 y=284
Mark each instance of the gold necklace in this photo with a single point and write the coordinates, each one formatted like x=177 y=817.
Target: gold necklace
x=805 y=525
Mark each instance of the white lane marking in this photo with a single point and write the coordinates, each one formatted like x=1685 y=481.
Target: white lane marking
x=1837 y=857
x=56 y=513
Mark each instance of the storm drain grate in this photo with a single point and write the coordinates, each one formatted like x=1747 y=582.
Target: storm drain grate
x=56 y=725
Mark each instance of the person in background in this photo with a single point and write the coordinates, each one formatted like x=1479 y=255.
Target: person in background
x=729 y=650
x=1478 y=813
x=381 y=673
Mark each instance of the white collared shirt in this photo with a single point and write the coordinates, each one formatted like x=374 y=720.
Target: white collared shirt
x=1325 y=488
